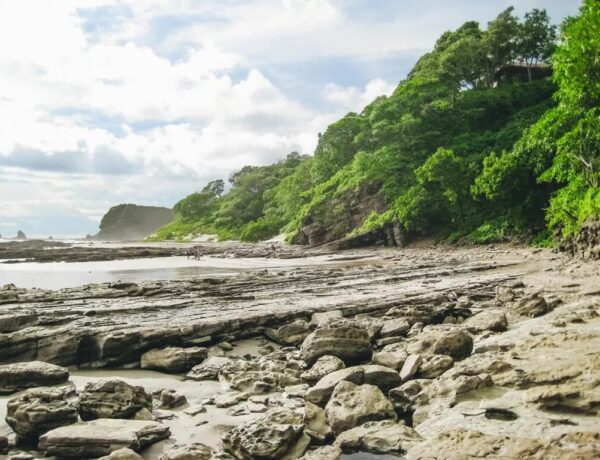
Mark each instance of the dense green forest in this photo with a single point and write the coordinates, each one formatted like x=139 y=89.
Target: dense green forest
x=477 y=144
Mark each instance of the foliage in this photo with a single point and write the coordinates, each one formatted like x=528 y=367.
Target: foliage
x=453 y=152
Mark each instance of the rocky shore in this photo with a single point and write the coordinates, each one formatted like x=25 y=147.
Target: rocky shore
x=419 y=353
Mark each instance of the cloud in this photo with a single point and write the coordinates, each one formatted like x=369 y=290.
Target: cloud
x=353 y=98
x=108 y=101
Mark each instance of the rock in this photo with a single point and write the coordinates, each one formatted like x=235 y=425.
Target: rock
x=392 y=356
x=434 y=365
x=442 y=340
x=256 y=408
x=371 y=324
x=122 y=454
x=338 y=337
x=209 y=369
x=195 y=451
x=410 y=367
x=394 y=327
x=464 y=443
x=322 y=391
x=323 y=366
x=404 y=397
x=270 y=437
x=532 y=305
x=324 y=453
x=230 y=399
x=382 y=377
x=195 y=410
x=20 y=376
x=487 y=320
x=352 y=405
x=383 y=437
x=315 y=423
x=112 y=399
x=39 y=410
x=296 y=391
x=15 y=320
x=173 y=359
x=290 y=334
x=170 y=399
x=20 y=236
x=322 y=317
x=101 y=437
x=3 y=445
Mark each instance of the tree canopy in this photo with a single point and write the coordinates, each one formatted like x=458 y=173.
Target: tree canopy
x=455 y=151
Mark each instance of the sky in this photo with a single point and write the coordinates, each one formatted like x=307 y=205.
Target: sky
x=144 y=101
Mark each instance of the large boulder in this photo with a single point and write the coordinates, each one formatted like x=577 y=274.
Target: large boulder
x=383 y=437
x=20 y=376
x=101 y=437
x=209 y=369
x=112 y=399
x=487 y=320
x=39 y=410
x=352 y=405
x=392 y=356
x=442 y=340
x=273 y=435
x=322 y=391
x=173 y=359
x=338 y=337
x=382 y=377
x=323 y=366
x=290 y=334
x=315 y=421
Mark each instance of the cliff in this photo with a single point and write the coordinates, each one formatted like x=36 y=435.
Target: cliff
x=130 y=222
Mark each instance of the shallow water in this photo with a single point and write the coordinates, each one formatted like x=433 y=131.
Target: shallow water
x=58 y=275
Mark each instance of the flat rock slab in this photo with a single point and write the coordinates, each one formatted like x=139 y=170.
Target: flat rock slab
x=20 y=376
x=102 y=437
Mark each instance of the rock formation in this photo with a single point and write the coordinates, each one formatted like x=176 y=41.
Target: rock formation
x=130 y=222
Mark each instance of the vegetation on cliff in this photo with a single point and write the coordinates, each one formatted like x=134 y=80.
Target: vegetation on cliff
x=130 y=222
x=477 y=144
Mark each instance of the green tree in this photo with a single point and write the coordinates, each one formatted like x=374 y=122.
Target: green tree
x=215 y=187
x=499 y=43
x=536 y=39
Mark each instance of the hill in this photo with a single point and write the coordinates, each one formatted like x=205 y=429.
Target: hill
x=477 y=144
x=130 y=222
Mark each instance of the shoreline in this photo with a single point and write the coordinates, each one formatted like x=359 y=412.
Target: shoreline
x=532 y=318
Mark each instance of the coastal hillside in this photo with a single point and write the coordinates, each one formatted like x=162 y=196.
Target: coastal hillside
x=492 y=136
x=130 y=222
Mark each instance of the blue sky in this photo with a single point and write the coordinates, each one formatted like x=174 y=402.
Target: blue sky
x=111 y=101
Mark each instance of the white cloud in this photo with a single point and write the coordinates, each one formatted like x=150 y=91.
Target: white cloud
x=176 y=91
x=355 y=99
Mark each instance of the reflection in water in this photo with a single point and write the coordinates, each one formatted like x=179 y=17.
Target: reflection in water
x=58 y=275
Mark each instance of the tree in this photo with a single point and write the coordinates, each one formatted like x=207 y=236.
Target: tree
x=536 y=39
x=499 y=43
x=215 y=187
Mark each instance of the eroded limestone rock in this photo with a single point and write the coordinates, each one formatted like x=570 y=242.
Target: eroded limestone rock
x=20 y=376
x=173 y=359
x=39 y=410
x=269 y=437
x=323 y=366
x=382 y=437
x=338 y=337
x=112 y=399
x=352 y=405
x=101 y=437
